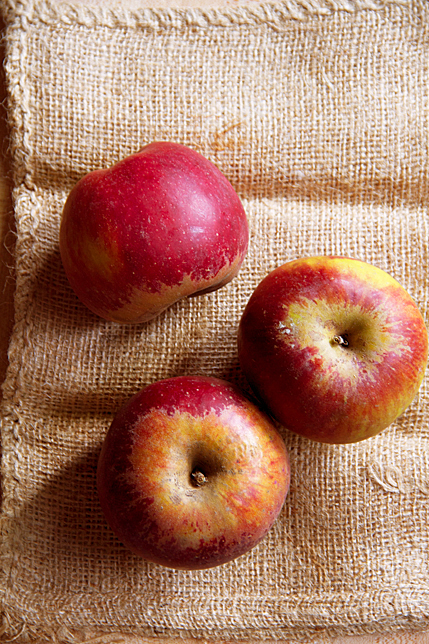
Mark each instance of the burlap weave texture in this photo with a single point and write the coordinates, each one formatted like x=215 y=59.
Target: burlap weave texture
x=318 y=115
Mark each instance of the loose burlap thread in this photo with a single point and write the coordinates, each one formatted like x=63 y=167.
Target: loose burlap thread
x=317 y=113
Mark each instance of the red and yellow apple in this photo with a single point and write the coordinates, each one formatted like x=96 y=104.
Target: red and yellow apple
x=335 y=348
x=191 y=473
x=158 y=226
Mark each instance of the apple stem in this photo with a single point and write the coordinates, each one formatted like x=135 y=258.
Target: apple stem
x=198 y=478
x=341 y=340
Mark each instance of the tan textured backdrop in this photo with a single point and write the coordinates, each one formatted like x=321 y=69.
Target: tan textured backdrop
x=317 y=113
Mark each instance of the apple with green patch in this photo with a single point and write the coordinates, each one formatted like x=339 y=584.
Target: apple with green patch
x=334 y=347
x=191 y=473
x=158 y=226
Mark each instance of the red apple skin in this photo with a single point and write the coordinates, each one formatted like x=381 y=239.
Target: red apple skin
x=160 y=225
x=149 y=464
x=292 y=350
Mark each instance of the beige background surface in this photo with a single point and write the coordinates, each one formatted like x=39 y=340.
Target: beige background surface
x=6 y=302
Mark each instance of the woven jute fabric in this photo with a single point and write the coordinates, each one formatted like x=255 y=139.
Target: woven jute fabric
x=317 y=112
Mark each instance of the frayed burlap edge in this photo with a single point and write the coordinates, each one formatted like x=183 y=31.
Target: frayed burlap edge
x=272 y=14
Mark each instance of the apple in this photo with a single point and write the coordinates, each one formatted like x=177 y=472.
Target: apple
x=334 y=347
x=192 y=474
x=160 y=225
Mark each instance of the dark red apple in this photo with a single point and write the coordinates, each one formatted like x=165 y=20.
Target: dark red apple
x=335 y=347
x=191 y=473
x=160 y=225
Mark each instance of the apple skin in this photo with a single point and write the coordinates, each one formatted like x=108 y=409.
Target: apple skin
x=158 y=226
x=172 y=435
x=334 y=347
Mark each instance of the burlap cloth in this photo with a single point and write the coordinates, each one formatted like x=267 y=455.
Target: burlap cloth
x=317 y=112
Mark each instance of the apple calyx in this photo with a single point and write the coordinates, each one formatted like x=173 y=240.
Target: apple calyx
x=342 y=340
x=198 y=478
x=204 y=467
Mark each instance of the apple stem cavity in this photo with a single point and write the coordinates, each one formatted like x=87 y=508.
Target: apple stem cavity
x=198 y=479
x=341 y=340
